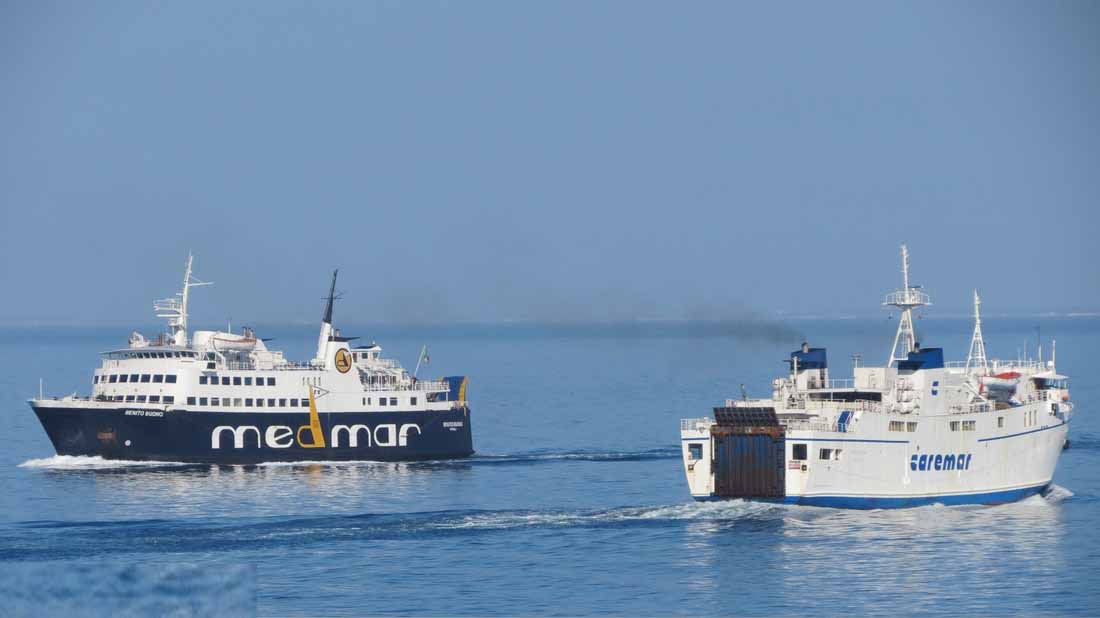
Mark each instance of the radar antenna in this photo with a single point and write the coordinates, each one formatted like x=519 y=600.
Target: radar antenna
x=976 y=359
x=175 y=309
x=905 y=299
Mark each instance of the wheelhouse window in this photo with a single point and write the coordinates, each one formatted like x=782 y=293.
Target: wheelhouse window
x=798 y=452
x=695 y=451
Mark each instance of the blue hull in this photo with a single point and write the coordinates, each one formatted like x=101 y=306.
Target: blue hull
x=858 y=502
x=254 y=437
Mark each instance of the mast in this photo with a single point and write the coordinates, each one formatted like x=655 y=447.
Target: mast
x=326 y=321
x=905 y=299
x=977 y=358
x=175 y=309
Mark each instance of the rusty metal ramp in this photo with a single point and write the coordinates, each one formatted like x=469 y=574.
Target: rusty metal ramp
x=749 y=453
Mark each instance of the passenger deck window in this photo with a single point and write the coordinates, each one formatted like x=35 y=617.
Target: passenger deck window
x=171 y=379
x=305 y=403
x=145 y=377
x=133 y=377
x=190 y=401
x=271 y=403
x=237 y=381
x=381 y=401
x=154 y=398
x=225 y=380
x=294 y=403
x=248 y=402
x=248 y=381
x=826 y=453
x=215 y=401
x=271 y=381
x=259 y=403
x=169 y=399
x=113 y=379
x=412 y=401
x=159 y=378
x=393 y=401
x=129 y=397
x=282 y=403
x=798 y=451
x=203 y=401
x=141 y=398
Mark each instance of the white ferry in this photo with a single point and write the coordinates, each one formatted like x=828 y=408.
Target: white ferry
x=916 y=431
x=223 y=397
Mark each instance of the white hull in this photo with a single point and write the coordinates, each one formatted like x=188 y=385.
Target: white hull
x=878 y=468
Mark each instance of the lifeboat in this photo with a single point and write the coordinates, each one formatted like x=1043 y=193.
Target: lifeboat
x=1000 y=386
x=230 y=342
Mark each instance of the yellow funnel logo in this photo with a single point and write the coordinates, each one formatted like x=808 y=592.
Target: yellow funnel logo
x=314 y=426
x=343 y=360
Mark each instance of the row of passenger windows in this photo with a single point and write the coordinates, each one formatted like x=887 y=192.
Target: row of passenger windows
x=159 y=355
x=143 y=398
x=800 y=452
x=965 y=425
x=155 y=378
x=236 y=380
x=382 y=401
x=247 y=402
x=909 y=426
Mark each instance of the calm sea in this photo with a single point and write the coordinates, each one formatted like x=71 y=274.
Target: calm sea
x=574 y=505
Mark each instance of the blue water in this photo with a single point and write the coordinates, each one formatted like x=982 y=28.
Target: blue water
x=575 y=503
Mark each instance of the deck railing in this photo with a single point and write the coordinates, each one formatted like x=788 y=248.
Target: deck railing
x=692 y=424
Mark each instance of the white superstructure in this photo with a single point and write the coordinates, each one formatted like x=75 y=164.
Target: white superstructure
x=915 y=431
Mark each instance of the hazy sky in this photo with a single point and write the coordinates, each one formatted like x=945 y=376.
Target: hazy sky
x=551 y=160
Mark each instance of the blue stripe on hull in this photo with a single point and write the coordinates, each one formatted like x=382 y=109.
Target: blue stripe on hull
x=859 y=502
